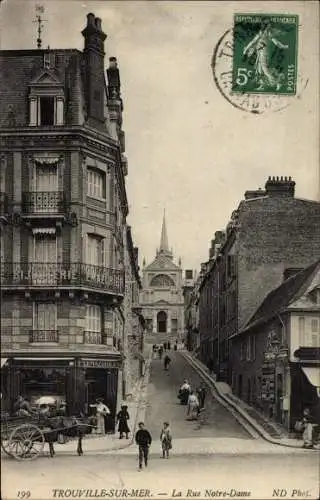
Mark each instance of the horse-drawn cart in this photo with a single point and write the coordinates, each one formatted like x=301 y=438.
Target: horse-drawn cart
x=22 y=437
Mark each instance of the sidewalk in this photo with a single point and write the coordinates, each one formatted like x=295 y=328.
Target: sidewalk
x=270 y=431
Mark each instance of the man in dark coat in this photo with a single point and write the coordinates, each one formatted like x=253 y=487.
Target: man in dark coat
x=143 y=440
x=122 y=418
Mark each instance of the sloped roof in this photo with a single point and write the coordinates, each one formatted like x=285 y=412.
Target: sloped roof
x=161 y=263
x=282 y=296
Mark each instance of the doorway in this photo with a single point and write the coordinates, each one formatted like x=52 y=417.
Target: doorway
x=162 y=322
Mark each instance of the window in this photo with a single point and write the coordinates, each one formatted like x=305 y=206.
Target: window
x=248 y=349
x=315 y=332
x=242 y=350
x=44 y=322
x=96 y=183
x=96 y=251
x=302 y=331
x=314 y=326
x=162 y=281
x=46 y=178
x=93 y=318
x=47 y=110
x=45 y=248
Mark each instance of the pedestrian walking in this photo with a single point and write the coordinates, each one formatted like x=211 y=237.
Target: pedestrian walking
x=166 y=362
x=123 y=417
x=160 y=351
x=166 y=439
x=169 y=346
x=143 y=440
x=165 y=346
x=201 y=394
x=193 y=406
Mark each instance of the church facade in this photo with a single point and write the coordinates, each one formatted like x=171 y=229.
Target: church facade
x=162 y=295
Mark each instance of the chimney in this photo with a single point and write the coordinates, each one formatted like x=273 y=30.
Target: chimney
x=280 y=186
x=250 y=195
x=113 y=76
x=94 y=67
x=291 y=271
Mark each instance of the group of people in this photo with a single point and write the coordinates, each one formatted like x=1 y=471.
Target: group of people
x=143 y=440
x=193 y=399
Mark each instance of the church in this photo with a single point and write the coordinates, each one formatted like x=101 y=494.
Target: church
x=161 y=296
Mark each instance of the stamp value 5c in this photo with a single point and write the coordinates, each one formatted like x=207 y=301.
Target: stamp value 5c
x=265 y=54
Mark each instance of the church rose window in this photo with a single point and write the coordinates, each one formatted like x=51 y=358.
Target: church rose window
x=161 y=280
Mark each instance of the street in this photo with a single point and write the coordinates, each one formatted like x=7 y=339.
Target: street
x=212 y=457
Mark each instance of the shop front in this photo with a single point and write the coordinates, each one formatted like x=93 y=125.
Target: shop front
x=77 y=381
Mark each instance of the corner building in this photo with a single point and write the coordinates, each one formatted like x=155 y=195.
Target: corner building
x=62 y=260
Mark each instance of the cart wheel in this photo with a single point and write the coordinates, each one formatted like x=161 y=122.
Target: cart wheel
x=26 y=442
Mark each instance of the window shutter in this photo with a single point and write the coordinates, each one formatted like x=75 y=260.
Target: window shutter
x=85 y=250
x=102 y=257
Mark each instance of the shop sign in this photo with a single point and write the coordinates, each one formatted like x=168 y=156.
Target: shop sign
x=99 y=363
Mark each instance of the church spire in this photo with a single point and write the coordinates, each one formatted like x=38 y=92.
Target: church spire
x=164 y=246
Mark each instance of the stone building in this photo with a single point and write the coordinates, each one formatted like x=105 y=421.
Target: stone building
x=161 y=298
x=134 y=320
x=270 y=231
x=278 y=369
x=63 y=170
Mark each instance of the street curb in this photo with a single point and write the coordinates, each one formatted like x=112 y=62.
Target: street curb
x=228 y=403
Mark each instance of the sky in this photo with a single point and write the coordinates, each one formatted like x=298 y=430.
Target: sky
x=189 y=150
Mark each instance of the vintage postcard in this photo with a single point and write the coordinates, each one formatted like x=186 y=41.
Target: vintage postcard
x=159 y=249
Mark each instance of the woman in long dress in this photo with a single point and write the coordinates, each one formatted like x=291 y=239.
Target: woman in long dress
x=193 y=406
x=123 y=417
x=166 y=440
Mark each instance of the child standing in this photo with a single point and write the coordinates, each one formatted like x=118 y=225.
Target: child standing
x=166 y=440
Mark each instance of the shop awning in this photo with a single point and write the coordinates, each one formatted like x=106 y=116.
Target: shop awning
x=3 y=361
x=44 y=230
x=312 y=374
x=43 y=359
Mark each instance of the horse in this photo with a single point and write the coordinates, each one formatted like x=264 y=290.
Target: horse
x=70 y=427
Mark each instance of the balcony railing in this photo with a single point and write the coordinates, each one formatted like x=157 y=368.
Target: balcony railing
x=62 y=275
x=92 y=338
x=43 y=202
x=43 y=336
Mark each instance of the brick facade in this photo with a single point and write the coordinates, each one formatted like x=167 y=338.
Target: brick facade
x=270 y=231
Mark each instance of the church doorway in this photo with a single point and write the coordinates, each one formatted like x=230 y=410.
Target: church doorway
x=162 y=322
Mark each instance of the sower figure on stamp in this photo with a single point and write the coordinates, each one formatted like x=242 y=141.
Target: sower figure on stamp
x=143 y=440
x=259 y=47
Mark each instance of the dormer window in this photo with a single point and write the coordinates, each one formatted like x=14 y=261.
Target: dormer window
x=46 y=101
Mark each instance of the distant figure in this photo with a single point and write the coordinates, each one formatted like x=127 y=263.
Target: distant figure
x=184 y=392
x=169 y=346
x=193 y=406
x=160 y=351
x=308 y=423
x=210 y=365
x=123 y=417
x=165 y=346
x=166 y=440
x=143 y=440
x=167 y=362
x=176 y=346
x=201 y=393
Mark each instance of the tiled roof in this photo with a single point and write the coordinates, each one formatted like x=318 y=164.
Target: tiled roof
x=283 y=295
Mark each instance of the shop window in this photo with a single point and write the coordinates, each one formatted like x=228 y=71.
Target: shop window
x=96 y=183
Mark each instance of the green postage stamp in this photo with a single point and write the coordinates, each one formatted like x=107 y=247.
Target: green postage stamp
x=265 y=54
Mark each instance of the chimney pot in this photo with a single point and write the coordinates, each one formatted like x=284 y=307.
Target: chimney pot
x=98 y=23
x=280 y=186
x=90 y=19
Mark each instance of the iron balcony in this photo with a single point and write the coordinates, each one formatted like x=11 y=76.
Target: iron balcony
x=43 y=336
x=43 y=203
x=60 y=275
